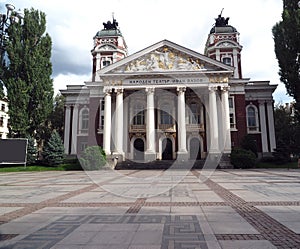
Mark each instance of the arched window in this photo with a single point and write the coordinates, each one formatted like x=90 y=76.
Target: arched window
x=84 y=120
x=139 y=118
x=252 y=118
x=195 y=113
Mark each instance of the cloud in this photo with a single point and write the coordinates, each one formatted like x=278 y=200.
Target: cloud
x=73 y=24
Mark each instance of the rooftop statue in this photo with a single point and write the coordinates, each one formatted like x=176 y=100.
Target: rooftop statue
x=109 y=25
x=221 y=21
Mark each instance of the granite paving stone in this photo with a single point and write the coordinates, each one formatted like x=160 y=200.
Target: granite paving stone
x=151 y=209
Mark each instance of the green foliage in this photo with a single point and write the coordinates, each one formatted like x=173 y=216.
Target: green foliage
x=31 y=151
x=93 y=158
x=56 y=118
x=53 y=153
x=242 y=159
x=249 y=143
x=287 y=48
x=281 y=153
x=2 y=95
x=287 y=129
x=28 y=75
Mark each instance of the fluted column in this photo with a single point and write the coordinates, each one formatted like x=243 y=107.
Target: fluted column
x=67 y=129
x=181 y=122
x=107 y=122
x=74 y=130
x=150 y=154
x=119 y=122
x=263 y=127
x=227 y=133
x=270 y=110
x=213 y=116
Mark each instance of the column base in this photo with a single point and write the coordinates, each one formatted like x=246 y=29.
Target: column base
x=213 y=160
x=182 y=156
x=225 y=161
x=120 y=157
x=150 y=156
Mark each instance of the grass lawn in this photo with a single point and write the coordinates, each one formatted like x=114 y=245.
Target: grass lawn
x=19 y=168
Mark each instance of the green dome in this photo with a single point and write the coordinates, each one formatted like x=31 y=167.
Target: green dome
x=225 y=29
x=108 y=32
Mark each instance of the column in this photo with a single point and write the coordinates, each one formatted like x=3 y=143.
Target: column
x=263 y=127
x=150 y=154
x=182 y=151
x=271 y=125
x=213 y=116
x=67 y=129
x=107 y=122
x=119 y=122
x=74 y=130
x=235 y=63
x=227 y=133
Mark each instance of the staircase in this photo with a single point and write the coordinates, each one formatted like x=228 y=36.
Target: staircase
x=159 y=165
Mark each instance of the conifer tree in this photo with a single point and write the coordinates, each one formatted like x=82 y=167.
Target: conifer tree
x=287 y=49
x=31 y=151
x=27 y=77
x=54 y=150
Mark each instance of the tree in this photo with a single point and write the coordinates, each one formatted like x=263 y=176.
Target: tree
x=93 y=158
x=27 y=78
x=286 y=35
x=53 y=150
x=56 y=117
x=287 y=129
x=31 y=151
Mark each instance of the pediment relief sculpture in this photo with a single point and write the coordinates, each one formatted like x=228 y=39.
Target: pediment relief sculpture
x=164 y=59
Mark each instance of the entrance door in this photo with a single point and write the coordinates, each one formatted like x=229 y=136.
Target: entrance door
x=195 y=149
x=139 y=149
x=167 y=147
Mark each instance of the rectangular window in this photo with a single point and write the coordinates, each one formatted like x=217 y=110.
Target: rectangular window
x=1 y=121
x=102 y=105
x=3 y=107
x=230 y=100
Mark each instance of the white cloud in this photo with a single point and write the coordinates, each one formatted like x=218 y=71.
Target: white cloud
x=72 y=25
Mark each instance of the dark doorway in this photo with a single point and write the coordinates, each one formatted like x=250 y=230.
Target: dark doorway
x=167 y=147
x=139 y=149
x=195 y=149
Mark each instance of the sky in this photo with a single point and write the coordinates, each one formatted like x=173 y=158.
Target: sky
x=73 y=24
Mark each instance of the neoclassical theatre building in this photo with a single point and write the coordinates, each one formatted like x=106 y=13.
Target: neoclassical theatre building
x=167 y=101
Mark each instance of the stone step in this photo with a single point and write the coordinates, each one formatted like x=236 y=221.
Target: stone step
x=159 y=164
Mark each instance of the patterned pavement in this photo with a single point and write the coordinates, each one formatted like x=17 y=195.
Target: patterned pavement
x=203 y=209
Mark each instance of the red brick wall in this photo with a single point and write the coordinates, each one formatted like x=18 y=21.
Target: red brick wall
x=240 y=115
x=94 y=138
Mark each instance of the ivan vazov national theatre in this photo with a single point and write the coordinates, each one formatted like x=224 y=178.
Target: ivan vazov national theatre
x=167 y=101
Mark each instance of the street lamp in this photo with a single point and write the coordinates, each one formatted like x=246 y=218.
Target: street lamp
x=6 y=20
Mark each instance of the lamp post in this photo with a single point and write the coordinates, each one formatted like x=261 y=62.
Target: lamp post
x=6 y=20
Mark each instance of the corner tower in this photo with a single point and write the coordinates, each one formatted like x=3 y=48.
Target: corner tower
x=109 y=46
x=223 y=45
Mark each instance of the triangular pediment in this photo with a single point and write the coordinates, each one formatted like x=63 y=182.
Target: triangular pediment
x=163 y=57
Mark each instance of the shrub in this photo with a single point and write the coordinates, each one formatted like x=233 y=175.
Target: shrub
x=53 y=153
x=241 y=158
x=249 y=143
x=93 y=158
x=281 y=154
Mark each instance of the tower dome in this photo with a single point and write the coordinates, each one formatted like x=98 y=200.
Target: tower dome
x=223 y=44
x=109 y=46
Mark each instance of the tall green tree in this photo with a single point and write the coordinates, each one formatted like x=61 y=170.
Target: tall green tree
x=28 y=75
x=287 y=129
x=286 y=35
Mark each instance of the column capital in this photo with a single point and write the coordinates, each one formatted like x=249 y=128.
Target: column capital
x=225 y=88
x=261 y=102
x=150 y=90
x=107 y=91
x=212 y=88
x=119 y=90
x=181 y=89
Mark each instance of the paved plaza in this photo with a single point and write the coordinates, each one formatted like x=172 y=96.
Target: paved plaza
x=228 y=209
